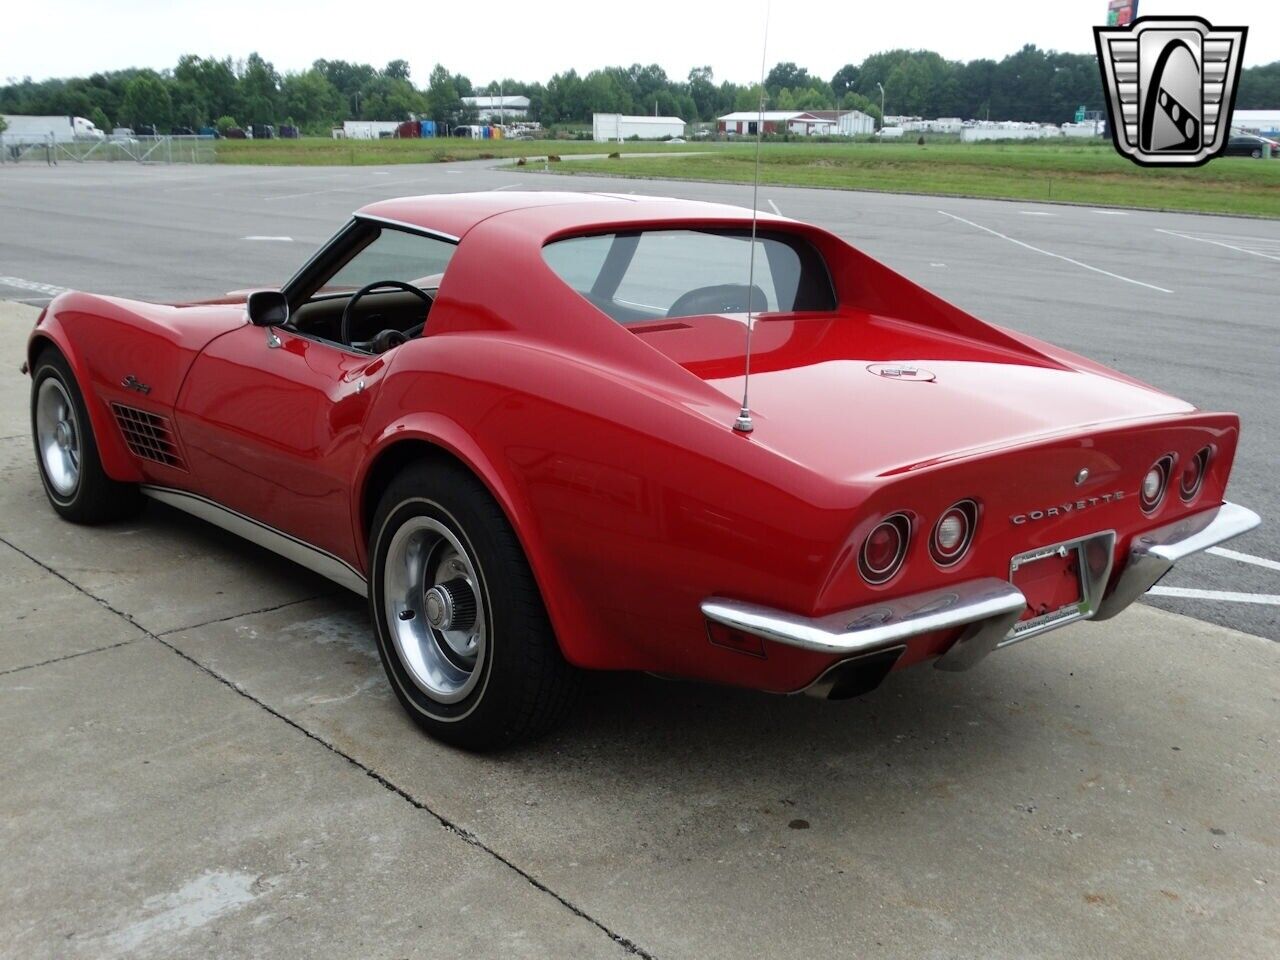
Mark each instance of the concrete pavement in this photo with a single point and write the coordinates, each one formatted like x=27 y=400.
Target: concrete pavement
x=201 y=756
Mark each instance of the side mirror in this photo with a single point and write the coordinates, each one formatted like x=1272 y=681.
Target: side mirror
x=268 y=308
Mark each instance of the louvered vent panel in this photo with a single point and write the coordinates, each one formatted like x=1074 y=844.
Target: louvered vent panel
x=149 y=436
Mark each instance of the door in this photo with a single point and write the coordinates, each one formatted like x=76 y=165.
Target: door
x=274 y=432
x=272 y=417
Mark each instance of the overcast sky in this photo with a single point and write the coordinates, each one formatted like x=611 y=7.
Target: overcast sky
x=532 y=40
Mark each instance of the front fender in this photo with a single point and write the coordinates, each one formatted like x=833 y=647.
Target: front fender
x=117 y=462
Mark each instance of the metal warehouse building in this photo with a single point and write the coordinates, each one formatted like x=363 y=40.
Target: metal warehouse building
x=616 y=126
x=502 y=109
x=1265 y=122
x=807 y=123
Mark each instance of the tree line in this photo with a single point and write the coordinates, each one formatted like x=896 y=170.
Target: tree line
x=1032 y=84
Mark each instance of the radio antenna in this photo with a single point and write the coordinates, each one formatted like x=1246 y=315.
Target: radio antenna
x=743 y=424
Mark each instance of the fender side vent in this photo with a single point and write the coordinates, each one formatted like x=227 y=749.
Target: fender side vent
x=149 y=437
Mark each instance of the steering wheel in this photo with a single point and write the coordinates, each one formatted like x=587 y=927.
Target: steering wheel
x=344 y=329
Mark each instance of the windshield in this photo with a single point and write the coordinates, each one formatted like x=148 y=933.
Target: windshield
x=394 y=255
x=655 y=274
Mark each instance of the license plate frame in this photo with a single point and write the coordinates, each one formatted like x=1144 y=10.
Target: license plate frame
x=1093 y=576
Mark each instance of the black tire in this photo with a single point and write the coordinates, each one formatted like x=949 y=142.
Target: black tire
x=1257 y=154
x=95 y=497
x=522 y=684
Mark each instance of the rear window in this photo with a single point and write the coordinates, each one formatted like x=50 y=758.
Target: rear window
x=655 y=274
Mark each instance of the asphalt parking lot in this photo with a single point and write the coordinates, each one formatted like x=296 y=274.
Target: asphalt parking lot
x=202 y=757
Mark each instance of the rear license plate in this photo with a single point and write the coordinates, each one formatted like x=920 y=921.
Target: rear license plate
x=1051 y=580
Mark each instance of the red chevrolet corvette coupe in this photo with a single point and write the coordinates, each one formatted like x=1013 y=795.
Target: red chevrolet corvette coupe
x=514 y=422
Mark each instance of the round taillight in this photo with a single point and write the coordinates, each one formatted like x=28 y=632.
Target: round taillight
x=953 y=533
x=1193 y=475
x=884 y=549
x=1155 y=483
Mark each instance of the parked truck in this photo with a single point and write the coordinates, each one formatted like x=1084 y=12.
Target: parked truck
x=51 y=129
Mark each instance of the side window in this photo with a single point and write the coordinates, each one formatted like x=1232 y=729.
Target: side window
x=669 y=263
x=648 y=275
x=579 y=260
x=394 y=255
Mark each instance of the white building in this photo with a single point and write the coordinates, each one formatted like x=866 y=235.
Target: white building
x=606 y=127
x=368 y=129
x=805 y=123
x=1008 y=130
x=941 y=125
x=499 y=109
x=1265 y=122
x=847 y=123
x=1087 y=128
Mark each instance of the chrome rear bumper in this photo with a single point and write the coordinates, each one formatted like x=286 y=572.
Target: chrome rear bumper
x=988 y=608
x=1153 y=554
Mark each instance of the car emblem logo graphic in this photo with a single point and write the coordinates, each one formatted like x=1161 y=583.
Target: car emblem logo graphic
x=1171 y=87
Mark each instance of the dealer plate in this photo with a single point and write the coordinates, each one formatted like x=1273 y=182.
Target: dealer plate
x=1062 y=583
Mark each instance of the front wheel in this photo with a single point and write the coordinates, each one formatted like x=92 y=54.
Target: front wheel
x=67 y=452
x=461 y=628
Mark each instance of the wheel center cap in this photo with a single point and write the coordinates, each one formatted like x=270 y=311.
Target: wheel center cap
x=62 y=434
x=439 y=612
x=451 y=605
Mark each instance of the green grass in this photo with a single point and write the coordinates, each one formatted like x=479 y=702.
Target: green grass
x=317 y=151
x=1073 y=172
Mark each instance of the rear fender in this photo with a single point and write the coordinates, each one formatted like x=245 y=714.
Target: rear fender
x=568 y=617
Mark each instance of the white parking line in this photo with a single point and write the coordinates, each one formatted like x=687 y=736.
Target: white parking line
x=1244 y=557
x=1112 y=213
x=1036 y=213
x=352 y=189
x=271 y=239
x=1184 y=593
x=505 y=186
x=773 y=206
x=1056 y=256
x=19 y=284
x=1219 y=243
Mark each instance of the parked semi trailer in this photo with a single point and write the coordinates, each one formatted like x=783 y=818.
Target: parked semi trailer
x=55 y=129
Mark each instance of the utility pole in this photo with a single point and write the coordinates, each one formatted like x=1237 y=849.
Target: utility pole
x=881 y=86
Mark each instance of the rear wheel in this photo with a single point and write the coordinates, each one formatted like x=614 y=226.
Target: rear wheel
x=66 y=451
x=460 y=624
x=1257 y=154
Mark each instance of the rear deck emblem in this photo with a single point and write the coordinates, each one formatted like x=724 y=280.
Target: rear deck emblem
x=1171 y=87
x=902 y=371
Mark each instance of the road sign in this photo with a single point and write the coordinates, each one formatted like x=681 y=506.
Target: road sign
x=1121 y=13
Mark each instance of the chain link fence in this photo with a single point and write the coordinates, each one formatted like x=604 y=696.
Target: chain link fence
x=110 y=150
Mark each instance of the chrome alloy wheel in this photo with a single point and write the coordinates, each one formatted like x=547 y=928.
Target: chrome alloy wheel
x=434 y=609
x=58 y=436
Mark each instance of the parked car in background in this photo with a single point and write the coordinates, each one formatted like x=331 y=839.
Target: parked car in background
x=1251 y=145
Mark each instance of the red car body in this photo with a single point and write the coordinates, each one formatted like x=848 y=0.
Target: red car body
x=611 y=451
